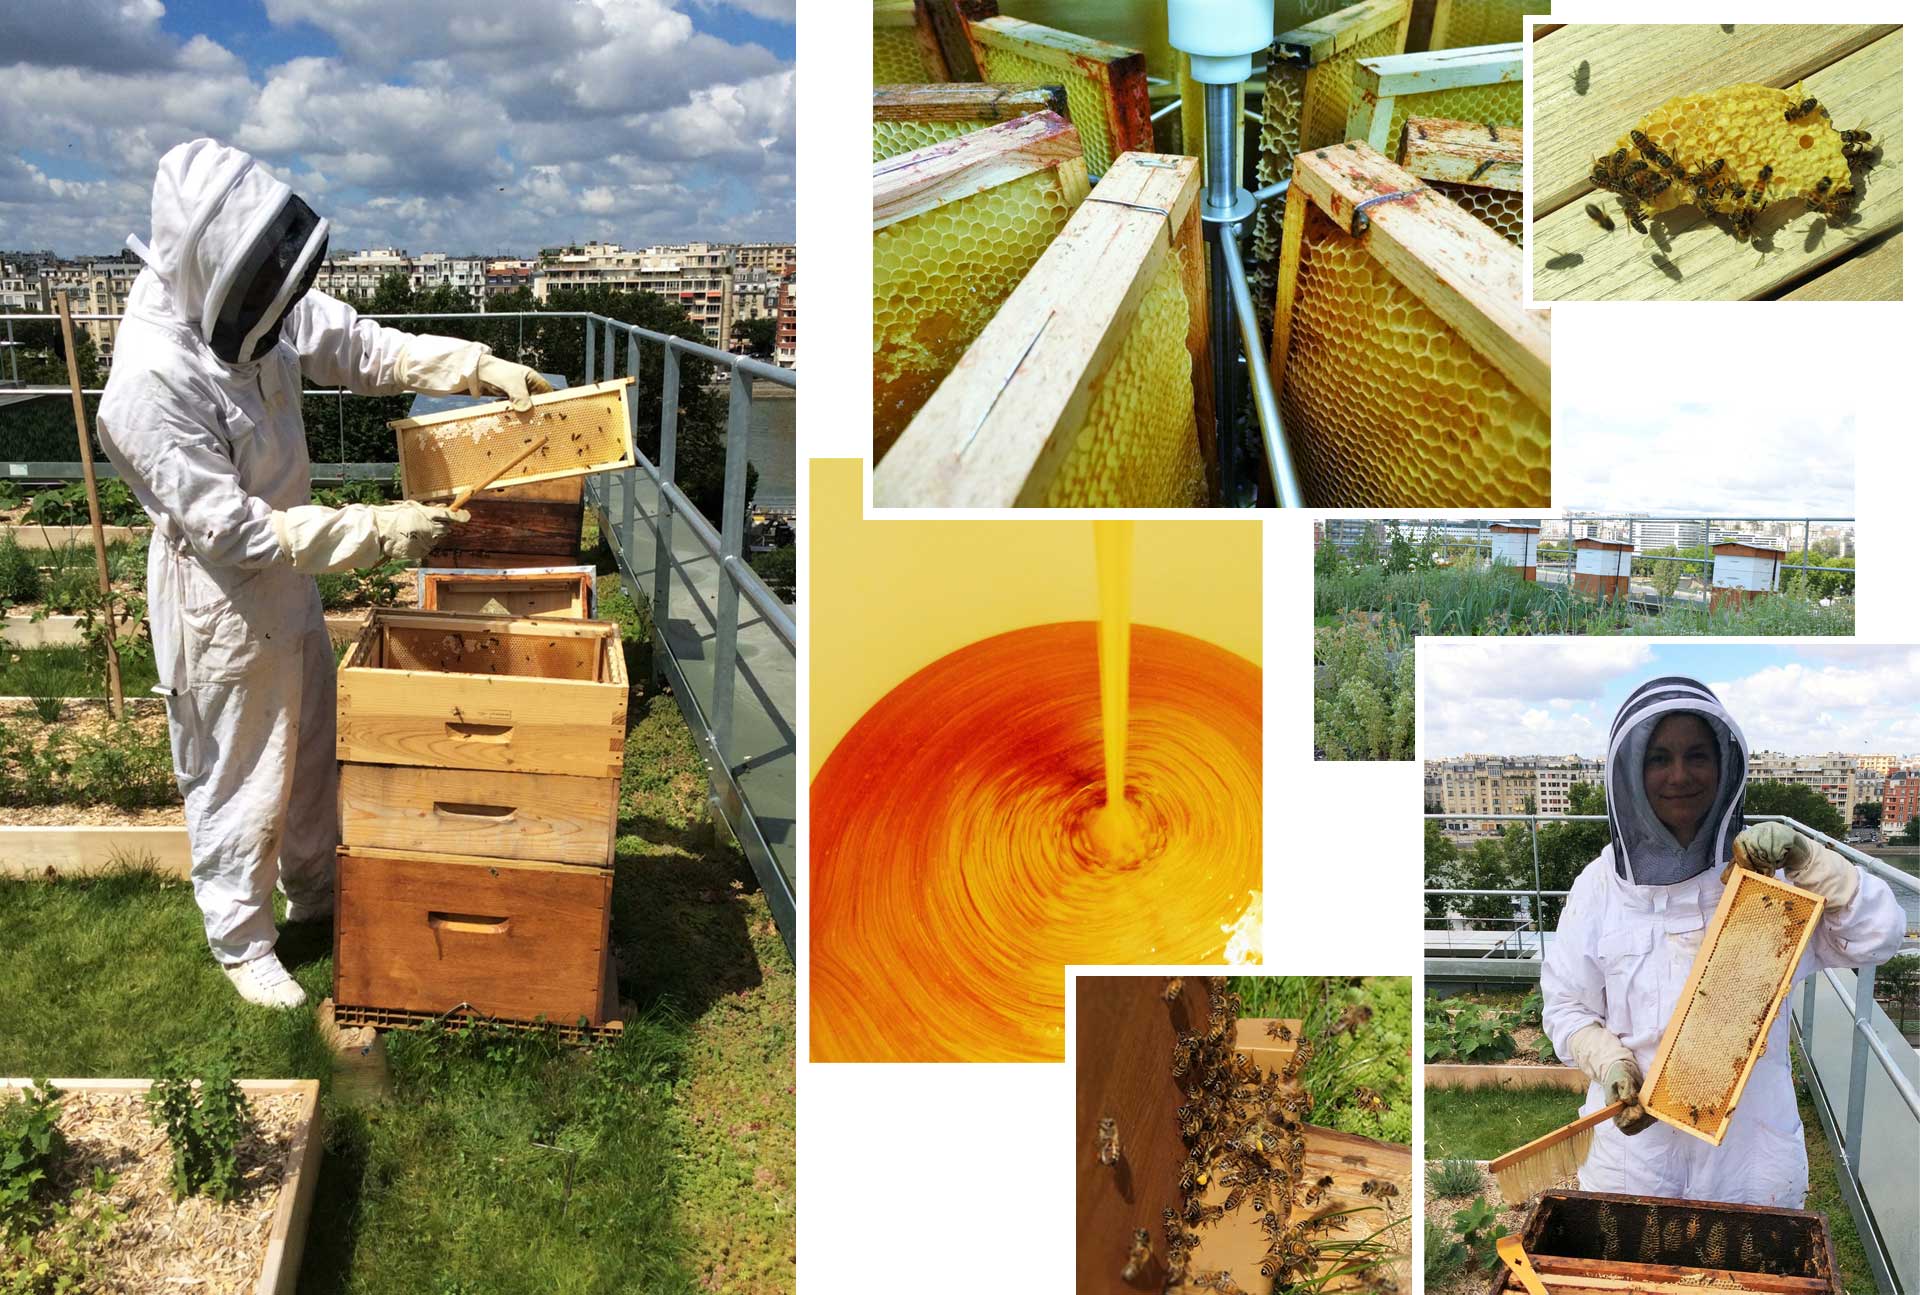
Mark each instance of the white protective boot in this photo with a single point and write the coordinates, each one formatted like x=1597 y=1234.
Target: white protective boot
x=265 y=983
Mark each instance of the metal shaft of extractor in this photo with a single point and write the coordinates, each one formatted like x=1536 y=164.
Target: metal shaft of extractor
x=1223 y=177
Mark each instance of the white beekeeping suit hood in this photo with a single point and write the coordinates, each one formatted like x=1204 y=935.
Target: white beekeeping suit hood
x=234 y=247
x=1645 y=851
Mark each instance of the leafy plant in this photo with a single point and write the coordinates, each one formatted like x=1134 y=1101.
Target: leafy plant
x=1543 y=1051
x=122 y=768
x=1531 y=1008
x=30 y=1143
x=361 y=491
x=1444 y=1258
x=205 y=1122
x=1363 y=692
x=19 y=576
x=10 y=495
x=57 y=1257
x=67 y=505
x=377 y=586
x=1454 y=1178
x=1475 y=1230
x=1470 y=1033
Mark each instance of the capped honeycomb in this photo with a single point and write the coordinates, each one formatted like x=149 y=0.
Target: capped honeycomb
x=938 y=277
x=892 y=138
x=1139 y=446
x=587 y=430
x=1086 y=97
x=1500 y=104
x=1743 y=129
x=1385 y=404
x=1502 y=210
x=1487 y=22
x=1716 y=1034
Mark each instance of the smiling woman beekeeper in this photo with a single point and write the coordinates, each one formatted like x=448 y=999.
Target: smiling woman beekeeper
x=1615 y=968
x=201 y=418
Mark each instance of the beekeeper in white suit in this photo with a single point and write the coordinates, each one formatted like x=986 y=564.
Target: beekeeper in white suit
x=1617 y=963
x=201 y=418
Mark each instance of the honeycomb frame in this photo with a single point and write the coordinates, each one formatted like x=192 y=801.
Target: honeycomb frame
x=442 y=453
x=1101 y=308
x=956 y=226
x=1460 y=24
x=905 y=51
x=1481 y=174
x=906 y=117
x=1758 y=934
x=1106 y=84
x=1408 y=371
x=1482 y=85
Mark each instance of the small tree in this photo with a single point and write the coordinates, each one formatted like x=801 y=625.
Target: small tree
x=758 y=334
x=1912 y=835
x=1795 y=801
x=1867 y=814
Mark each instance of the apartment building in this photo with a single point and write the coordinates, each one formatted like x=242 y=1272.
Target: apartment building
x=756 y=294
x=786 y=338
x=19 y=291
x=1830 y=775
x=1483 y=784
x=358 y=274
x=503 y=276
x=92 y=287
x=776 y=259
x=1900 y=800
x=697 y=276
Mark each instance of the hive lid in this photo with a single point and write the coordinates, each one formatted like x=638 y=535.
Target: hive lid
x=588 y=430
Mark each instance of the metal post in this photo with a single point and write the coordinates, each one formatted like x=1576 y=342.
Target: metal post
x=587 y=377
x=1223 y=138
x=663 y=507
x=1857 y=1069
x=606 y=366
x=1222 y=174
x=1806 y=541
x=733 y=519
x=1286 y=482
x=632 y=474
x=1539 y=904
x=13 y=354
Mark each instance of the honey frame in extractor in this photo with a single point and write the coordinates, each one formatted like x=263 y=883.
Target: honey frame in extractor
x=1456 y=267
x=1004 y=420
x=1745 y=893
x=1448 y=18
x=1039 y=149
x=1382 y=85
x=1117 y=73
x=959 y=106
x=605 y=401
x=899 y=27
x=1477 y=164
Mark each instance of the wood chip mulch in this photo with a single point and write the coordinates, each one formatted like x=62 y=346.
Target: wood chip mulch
x=1441 y=1209
x=161 y=1244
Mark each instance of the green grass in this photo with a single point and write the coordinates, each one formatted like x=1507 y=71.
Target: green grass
x=66 y=672
x=1482 y=1123
x=684 y=1129
x=1378 y=1055
x=1823 y=1190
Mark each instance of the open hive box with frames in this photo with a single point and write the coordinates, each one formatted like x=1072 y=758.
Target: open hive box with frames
x=1091 y=385
x=1408 y=371
x=571 y=433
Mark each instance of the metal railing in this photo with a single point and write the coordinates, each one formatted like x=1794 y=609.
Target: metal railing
x=644 y=515
x=1877 y=1173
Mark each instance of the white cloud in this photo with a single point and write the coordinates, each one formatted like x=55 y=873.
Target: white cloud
x=1533 y=670
x=1736 y=456
x=1869 y=703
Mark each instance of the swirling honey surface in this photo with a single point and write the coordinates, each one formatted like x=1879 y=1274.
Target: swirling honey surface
x=954 y=870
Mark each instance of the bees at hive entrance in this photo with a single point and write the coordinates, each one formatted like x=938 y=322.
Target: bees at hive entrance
x=1109 y=1141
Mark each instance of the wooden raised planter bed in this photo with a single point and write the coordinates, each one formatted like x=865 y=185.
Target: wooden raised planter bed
x=280 y=1255
x=1458 y=1076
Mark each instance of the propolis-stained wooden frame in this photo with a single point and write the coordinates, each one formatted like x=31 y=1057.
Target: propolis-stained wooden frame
x=1120 y=72
x=1379 y=83
x=1462 y=152
x=607 y=401
x=898 y=15
x=994 y=433
x=916 y=182
x=982 y=101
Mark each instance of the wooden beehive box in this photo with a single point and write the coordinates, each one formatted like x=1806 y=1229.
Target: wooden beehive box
x=1409 y=372
x=533 y=525
x=1719 y=1028
x=1092 y=383
x=1476 y=164
x=567 y=594
x=588 y=430
x=419 y=934
x=906 y=117
x=1106 y=84
x=454 y=690
x=1599 y=1241
x=955 y=226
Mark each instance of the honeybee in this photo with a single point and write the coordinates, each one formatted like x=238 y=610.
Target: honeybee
x=1804 y=108
x=1278 y=1030
x=1481 y=170
x=1316 y=1190
x=1109 y=1141
x=1183 y=1050
x=1379 y=1189
x=1760 y=181
x=1301 y=1058
x=1855 y=136
x=1632 y=210
x=1176 y=1268
x=1189 y=1173
x=1233 y=1200
x=1368 y=1100
x=1174 y=985
x=1355 y=1016
x=1190 y=1121
x=1493 y=132
x=1138 y=1257
x=1652 y=150
x=1693 y=1114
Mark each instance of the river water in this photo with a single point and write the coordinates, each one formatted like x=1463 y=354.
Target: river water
x=771 y=437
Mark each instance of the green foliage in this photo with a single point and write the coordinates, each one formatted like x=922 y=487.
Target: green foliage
x=1443 y=858
x=358 y=491
x=19 y=573
x=777 y=568
x=375 y=586
x=1471 y=1034
x=1454 y=1178
x=1327 y=559
x=205 y=1124
x=1867 y=813
x=121 y=766
x=1796 y=801
x=1481 y=1123
x=1363 y=692
x=69 y=672
x=1912 y=835
x=1475 y=1230
x=760 y=335
x=67 y=505
x=10 y=494
x=1532 y=1007
x=1442 y=1260
x=30 y=1144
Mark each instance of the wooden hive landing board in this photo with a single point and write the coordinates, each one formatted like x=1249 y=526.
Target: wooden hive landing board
x=588 y=429
x=1719 y=1028
x=1855 y=72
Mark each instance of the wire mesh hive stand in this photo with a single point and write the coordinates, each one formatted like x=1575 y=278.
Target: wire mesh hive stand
x=906 y=117
x=1477 y=165
x=1092 y=383
x=1408 y=372
x=480 y=782
x=1599 y=1241
x=955 y=227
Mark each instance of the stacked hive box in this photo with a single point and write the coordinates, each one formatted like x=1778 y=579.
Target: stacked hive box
x=479 y=787
x=1602 y=567
x=1743 y=572
x=1517 y=544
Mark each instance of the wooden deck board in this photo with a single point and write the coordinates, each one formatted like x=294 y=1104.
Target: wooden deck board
x=1574 y=259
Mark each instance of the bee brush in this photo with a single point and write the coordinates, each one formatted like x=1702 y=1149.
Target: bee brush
x=1548 y=1159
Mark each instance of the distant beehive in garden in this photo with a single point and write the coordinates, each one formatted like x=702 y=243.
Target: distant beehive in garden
x=1603 y=568
x=1476 y=164
x=1743 y=572
x=1309 y=90
x=906 y=117
x=904 y=51
x=1408 y=372
x=1106 y=84
x=955 y=227
x=1091 y=386
x=1517 y=545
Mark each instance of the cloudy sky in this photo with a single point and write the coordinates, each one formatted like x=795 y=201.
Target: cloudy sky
x=1661 y=453
x=1520 y=696
x=434 y=125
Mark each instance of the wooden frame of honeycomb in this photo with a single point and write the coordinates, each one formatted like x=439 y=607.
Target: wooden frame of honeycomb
x=1409 y=373
x=444 y=452
x=1479 y=169
x=1746 y=962
x=906 y=117
x=1387 y=91
x=902 y=41
x=1106 y=84
x=1011 y=414
x=935 y=283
